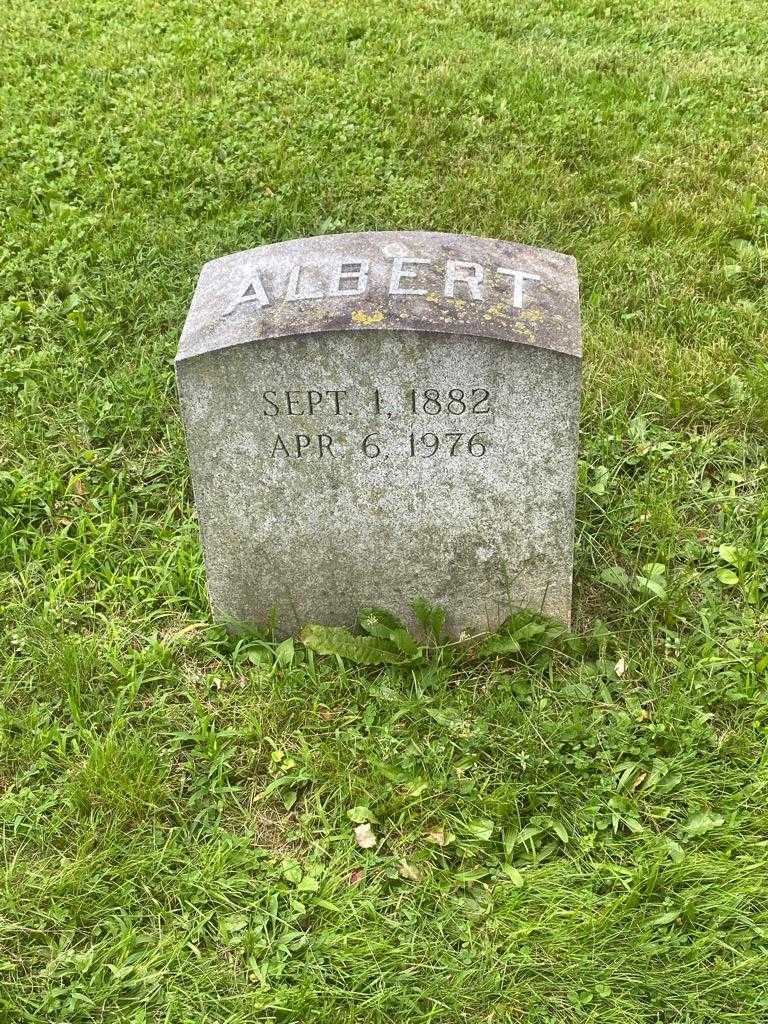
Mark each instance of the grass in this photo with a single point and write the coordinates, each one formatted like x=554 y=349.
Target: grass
x=572 y=832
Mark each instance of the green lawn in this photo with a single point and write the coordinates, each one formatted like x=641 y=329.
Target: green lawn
x=576 y=831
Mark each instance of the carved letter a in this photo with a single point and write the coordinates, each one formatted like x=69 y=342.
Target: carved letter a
x=254 y=292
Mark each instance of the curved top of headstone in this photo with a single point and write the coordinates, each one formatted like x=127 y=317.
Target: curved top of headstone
x=386 y=280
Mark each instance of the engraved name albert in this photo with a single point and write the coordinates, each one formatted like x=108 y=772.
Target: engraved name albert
x=401 y=276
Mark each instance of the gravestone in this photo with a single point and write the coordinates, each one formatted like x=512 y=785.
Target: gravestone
x=377 y=417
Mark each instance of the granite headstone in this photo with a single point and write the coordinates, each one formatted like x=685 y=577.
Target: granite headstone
x=383 y=416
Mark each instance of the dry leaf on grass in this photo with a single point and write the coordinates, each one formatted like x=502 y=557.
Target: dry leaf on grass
x=364 y=837
x=408 y=871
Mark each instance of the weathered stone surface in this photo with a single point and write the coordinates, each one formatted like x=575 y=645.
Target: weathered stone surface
x=382 y=416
